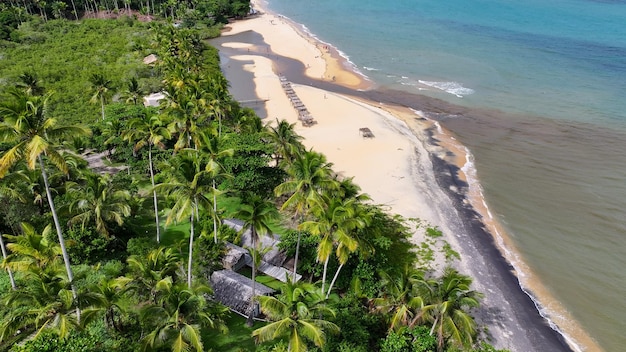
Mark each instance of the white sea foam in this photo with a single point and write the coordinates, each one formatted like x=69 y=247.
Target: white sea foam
x=370 y=68
x=449 y=87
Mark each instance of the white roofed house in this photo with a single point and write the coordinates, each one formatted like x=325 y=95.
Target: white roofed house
x=153 y=99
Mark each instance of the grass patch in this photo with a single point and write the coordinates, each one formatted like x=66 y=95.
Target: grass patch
x=239 y=336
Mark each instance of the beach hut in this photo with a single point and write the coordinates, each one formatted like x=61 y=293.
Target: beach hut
x=235 y=291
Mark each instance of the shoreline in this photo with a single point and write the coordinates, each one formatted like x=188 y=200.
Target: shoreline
x=447 y=176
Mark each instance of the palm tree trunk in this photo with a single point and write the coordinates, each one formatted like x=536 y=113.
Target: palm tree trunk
x=102 y=104
x=154 y=195
x=334 y=279
x=295 y=260
x=214 y=213
x=190 y=251
x=250 y=320
x=57 y=225
x=4 y=256
x=433 y=328
x=75 y=12
x=324 y=274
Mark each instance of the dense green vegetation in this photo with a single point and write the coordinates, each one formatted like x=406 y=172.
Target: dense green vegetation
x=98 y=262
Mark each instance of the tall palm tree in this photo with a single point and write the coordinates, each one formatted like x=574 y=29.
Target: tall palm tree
x=363 y=217
x=187 y=110
x=189 y=187
x=298 y=312
x=310 y=176
x=102 y=88
x=177 y=316
x=98 y=201
x=150 y=132
x=257 y=214
x=335 y=220
x=33 y=135
x=220 y=101
x=448 y=300
x=212 y=151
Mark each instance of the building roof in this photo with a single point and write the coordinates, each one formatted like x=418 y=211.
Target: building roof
x=150 y=59
x=153 y=99
x=274 y=256
x=235 y=290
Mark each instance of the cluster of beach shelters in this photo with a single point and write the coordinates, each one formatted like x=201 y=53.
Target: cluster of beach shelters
x=235 y=290
x=303 y=113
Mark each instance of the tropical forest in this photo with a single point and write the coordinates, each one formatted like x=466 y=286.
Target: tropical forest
x=189 y=224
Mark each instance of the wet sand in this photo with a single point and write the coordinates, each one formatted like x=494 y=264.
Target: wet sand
x=408 y=167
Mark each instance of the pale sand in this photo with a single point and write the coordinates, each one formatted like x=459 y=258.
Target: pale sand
x=394 y=167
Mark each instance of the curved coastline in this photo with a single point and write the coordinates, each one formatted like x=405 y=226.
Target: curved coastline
x=460 y=218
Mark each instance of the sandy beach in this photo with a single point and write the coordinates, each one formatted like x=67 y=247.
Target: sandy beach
x=400 y=167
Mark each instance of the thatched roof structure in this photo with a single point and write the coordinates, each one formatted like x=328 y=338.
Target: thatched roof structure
x=274 y=256
x=234 y=290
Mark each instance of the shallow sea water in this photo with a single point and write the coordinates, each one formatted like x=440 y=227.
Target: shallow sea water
x=544 y=83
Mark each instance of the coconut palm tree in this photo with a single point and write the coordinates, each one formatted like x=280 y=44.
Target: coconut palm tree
x=220 y=101
x=363 y=217
x=310 y=176
x=133 y=92
x=29 y=82
x=449 y=299
x=287 y=143
x=189 y=186
x=187 y=110
x=31 y=249
x=335 y=220
x=46 y=301
x=102 y=89
x=45 y=304
x=34 y=135
x=212 y=151
x=257 y=214
x=401 y=300
x=178 y=314
x=108 y=297
x=97 y=201
x=155 y=266
x=298 y=312
x=150 y=132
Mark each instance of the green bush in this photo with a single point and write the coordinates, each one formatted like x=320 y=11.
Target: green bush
x=415 y=339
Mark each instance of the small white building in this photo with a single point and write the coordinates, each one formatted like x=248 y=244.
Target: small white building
x=150 y=59
x=153 y=99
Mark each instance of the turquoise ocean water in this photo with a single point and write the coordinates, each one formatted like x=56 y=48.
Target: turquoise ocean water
x=545 y=86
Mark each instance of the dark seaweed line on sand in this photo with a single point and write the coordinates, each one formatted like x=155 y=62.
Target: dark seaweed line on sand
x=538 y=331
